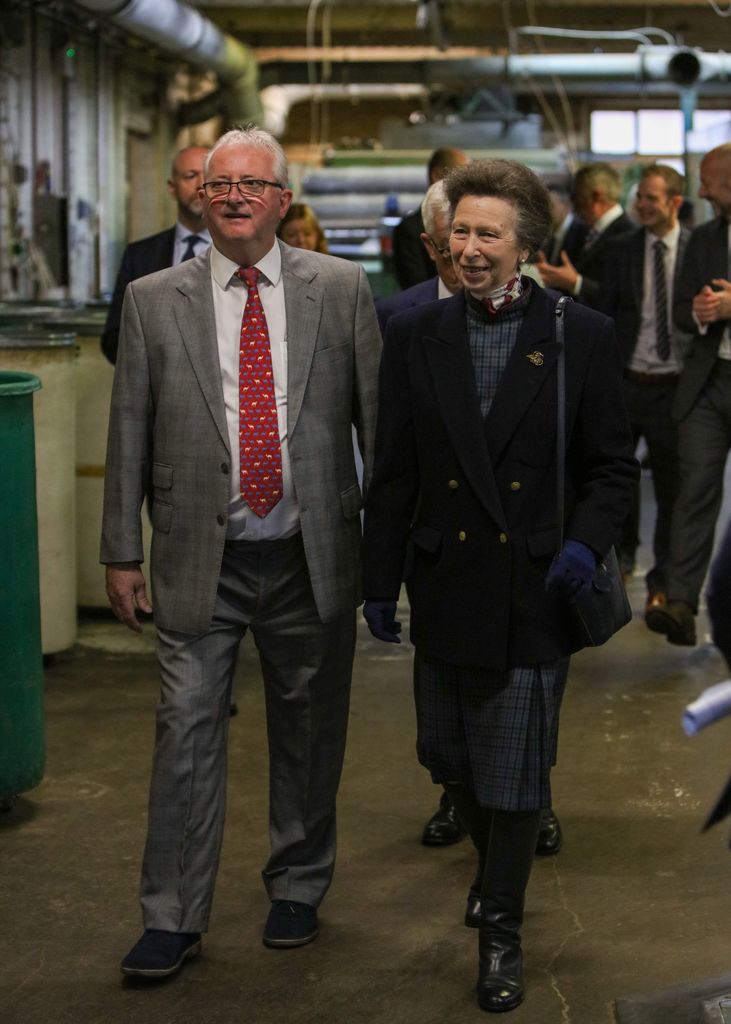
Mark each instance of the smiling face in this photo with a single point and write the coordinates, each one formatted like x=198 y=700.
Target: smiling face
x=484 y=245
x=656 y=210
x=243 y=228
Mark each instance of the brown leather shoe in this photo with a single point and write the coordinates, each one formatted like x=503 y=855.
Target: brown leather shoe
x=657 y=600
x=675 y=621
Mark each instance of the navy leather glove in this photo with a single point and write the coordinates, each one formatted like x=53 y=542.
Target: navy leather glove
x=571 y=571
x=380 y=616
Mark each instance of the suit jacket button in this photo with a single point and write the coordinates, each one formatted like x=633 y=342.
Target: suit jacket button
x=453 y=485
x=220 y=520
x=515 y=485
x=462 y=535
x=503 y=538
x=224 y=467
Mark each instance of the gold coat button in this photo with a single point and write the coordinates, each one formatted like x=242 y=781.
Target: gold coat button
x=503 y=538
x=515 y=485
x=462 y=535
x=453 y=485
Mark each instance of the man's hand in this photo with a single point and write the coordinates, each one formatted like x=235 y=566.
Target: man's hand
x=380 y=616
x=563 y=277
x=126 y=592
x=709 y=305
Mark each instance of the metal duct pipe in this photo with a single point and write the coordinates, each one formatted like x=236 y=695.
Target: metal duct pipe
x=277 y=100
x=177 y=28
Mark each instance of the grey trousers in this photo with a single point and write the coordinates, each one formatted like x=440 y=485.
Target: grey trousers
x=703 y=444
x=306 y=667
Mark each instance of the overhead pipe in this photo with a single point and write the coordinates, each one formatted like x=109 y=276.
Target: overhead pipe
x=177 y=28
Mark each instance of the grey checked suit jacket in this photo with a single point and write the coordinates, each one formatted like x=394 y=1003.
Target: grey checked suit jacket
x=168 y=431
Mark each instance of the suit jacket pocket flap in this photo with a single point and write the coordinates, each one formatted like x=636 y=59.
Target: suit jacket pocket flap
x=161 y=515
x=543 y=542
x=162 y=476
x=351 y=501
x=427 y=538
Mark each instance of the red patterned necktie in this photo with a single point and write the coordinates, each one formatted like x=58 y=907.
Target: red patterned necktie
x=260 y=455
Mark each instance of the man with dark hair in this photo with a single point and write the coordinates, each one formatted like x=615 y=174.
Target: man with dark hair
x=412 y=264
x=596 y=192
x=187 y=238
x=641 y=276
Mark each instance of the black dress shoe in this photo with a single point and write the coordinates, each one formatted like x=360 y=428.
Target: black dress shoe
x=473 y=913
x=675 y=620
x=289 y=924
x=550 y=836
x=159 y=954
x=500 y=983
x=444 y=826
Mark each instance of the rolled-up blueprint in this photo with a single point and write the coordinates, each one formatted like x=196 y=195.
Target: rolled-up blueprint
x=713 y=703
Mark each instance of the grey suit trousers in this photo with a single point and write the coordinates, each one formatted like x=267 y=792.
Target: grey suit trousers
x=306 y=667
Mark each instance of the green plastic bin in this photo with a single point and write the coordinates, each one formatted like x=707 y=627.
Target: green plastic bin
x=22 y=744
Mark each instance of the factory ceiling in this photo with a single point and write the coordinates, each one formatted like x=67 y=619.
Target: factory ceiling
x=492 y=25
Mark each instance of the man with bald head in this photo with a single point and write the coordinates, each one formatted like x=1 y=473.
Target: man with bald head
x=702 y=402
x=412 y=263
x=189 y=237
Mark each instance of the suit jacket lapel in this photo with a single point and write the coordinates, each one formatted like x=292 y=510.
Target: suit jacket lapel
x=532 y=360
x=196 y=320
x=453 y=376
x=637 y=268
x=303 y=300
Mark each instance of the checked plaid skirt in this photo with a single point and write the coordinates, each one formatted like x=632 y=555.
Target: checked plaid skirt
x=495 y=733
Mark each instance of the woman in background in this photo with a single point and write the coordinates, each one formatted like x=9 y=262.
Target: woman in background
x=301 y=229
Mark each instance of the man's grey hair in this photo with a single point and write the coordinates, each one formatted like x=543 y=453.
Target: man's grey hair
x=254 y=137
x=599 y=177
x=434 y=202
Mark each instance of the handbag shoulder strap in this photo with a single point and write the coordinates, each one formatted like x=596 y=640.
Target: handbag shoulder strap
x=560 y=412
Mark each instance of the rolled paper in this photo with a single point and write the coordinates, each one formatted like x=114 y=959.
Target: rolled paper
x=713 y=703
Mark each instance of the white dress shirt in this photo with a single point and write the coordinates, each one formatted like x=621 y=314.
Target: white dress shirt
x=181 y=234
x=229 y=301
x=645 y=358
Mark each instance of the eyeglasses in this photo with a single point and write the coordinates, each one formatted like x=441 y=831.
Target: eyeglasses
x=246 y=187
x=444 y=251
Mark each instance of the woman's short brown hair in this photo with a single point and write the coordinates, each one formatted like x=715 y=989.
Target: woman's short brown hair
x=512 y=182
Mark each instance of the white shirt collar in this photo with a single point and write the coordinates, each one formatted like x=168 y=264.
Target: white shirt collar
x=181 y=233
x=223 y=269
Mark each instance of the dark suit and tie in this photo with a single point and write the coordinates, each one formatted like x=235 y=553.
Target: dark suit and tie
x=187 y=238
x=702 y=404
x=653 y=352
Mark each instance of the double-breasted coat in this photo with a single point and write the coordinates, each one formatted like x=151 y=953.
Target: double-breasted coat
x=465 y=509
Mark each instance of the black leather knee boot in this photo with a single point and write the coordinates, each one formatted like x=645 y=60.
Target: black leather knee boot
x=476 y=820
x=509 y=855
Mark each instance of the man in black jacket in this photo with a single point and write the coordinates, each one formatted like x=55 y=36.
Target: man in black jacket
x=702 y=402
x=641 y=275
x=596 y=194
x=189 y=237
x=412 y=264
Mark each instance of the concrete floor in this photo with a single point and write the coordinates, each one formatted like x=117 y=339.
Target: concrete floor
x=637 y=900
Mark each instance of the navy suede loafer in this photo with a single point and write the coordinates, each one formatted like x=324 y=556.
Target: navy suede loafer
x=290 y=924
x=159 y=954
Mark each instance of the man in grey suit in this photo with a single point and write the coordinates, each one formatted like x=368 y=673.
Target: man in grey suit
x=702 y=402
x=641 y=276
x=247 y=532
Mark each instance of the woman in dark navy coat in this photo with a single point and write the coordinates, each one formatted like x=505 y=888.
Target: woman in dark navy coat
x=462 y=506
